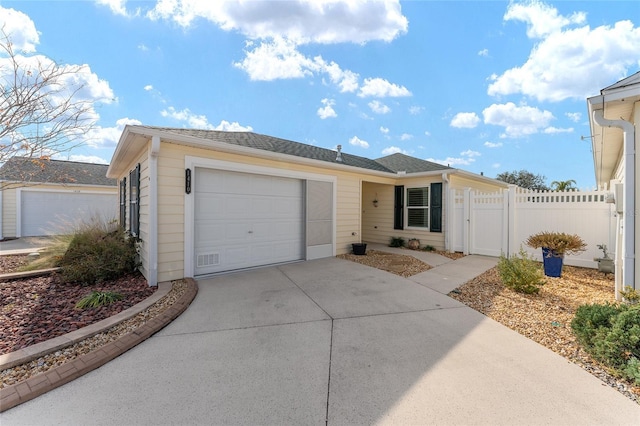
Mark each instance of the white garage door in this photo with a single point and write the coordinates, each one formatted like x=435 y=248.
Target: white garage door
x=51 y=213
x=244 y=220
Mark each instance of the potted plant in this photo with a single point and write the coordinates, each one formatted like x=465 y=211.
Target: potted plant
x=413 y=244
x=359 y=249
x=554 y=246
x=605 y=263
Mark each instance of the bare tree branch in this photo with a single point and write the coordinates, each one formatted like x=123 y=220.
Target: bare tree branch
x=42 y=110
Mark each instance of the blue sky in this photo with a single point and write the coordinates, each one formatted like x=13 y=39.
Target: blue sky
x=485 y=86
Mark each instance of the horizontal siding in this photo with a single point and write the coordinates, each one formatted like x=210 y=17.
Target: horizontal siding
x=377 y=222
x=9 y=212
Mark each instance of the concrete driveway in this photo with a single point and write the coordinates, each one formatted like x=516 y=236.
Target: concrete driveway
x=331 y=341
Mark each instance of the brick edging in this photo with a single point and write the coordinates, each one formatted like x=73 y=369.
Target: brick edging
x=39 y=384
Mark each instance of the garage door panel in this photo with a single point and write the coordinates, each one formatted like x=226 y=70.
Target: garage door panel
x=53 y=212
x=246 y=220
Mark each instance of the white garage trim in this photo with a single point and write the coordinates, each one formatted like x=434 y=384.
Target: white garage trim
x=189 y=200
x=21 y=191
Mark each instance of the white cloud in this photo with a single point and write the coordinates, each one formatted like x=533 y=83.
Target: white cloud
x=192 y=120
x=303 y=21
x=415 y=110
x=553 y=130
x=384 y=130
x=202 y=122
x=427 y=133
x=496 y=165
x=356 y=141
x=467 y=157
x=393 y=150
x=378 y=107
x=574 y=116
x=118 y=7
x=406 y=137
x=346 y=80
x=148 y=87
x=453 y=161
x=232 y=127
x=108 y=137
x=493 y=144
x=466 y=120
x=591 y=58
x=83 y=158
x=276 y=59
x=381 y=88
x=541 y=19
x=20 y=30
x=483 y=52
x=143 y=47
x=327 y=110
x=517 y=121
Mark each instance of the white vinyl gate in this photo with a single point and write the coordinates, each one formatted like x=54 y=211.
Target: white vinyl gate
x=495 y=223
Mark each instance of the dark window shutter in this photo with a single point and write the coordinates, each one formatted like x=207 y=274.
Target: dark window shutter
x=436 y=207
x=398 y=207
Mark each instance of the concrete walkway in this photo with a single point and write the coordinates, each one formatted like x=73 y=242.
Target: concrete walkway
x=333 y=342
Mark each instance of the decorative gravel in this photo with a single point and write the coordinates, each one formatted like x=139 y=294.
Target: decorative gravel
x=398 y=264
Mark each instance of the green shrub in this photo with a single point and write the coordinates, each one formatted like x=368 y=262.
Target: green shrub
x=99 y=252
x=630 y=295
x=520 y=273
x=97 y=299
x=396 y=242
x=591 y=318
x=611 y=334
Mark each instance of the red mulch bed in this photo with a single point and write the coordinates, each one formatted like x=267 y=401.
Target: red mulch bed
x=34 y=310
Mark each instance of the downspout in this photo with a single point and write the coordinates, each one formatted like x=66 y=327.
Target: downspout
x=445 y=193
x=628 y=197
x=153 y=211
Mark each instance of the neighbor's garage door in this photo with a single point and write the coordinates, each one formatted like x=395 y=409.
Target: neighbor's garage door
x=244 y=220
x=52 y=213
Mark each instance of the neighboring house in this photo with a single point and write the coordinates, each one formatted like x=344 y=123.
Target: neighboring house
x=204 y=202
x=614 y=116
x=47 y=197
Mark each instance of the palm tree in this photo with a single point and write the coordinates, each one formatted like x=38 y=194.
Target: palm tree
x=563 y=185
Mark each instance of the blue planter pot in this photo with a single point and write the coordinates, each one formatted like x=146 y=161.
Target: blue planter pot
x=552 y=262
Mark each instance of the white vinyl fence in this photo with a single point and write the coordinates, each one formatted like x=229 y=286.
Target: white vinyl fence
x=495 y=223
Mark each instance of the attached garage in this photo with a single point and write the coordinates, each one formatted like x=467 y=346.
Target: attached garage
x=43 y=196
x=43 y=212
x=245 y=220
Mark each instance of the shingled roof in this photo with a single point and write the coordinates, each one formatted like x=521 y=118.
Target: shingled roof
x=281 y=146
x=404 y=163
x=22 y=169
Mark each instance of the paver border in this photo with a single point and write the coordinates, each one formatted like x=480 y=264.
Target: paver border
x=39 y=384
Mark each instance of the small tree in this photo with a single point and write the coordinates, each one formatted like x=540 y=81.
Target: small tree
x=524 y=179
x=563 y=185
x=42 y=109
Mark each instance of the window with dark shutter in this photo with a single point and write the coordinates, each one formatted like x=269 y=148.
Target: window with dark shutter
x=418 y=207
x=123 y=203
x=134 y=201
x=398 y=207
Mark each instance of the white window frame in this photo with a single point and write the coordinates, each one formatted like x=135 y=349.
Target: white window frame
x=408 y=207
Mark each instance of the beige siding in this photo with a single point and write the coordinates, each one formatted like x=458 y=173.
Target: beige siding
x=9 y=211
x=377 y=222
